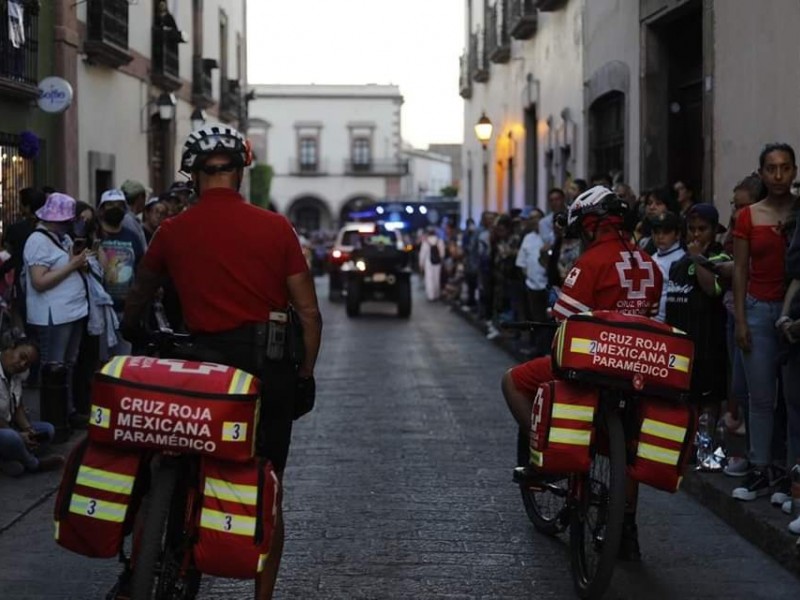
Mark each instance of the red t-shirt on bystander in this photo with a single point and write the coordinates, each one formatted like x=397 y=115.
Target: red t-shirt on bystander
x=767 y=257
x=228 y=260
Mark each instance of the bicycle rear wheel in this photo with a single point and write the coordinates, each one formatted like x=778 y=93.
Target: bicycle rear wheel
x=545 y=502
x=596 y=521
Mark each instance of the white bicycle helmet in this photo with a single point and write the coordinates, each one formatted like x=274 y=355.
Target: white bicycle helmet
x=216 y=138
x=598 y=201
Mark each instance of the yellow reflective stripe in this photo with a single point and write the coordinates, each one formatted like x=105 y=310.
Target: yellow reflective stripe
x=109 y=481
x=537 y=458
x=679 y=363
x=576 y=437
x=100 y=417
x=560 y=343
x=97 y=509
x=234 y=492
x=660 y=455
x=573 y=412
x=114 y=366
x=240 y=382
x=664 y=430
x=262 y=561
x=234 y=431
x=581 y=345
x=227 y=523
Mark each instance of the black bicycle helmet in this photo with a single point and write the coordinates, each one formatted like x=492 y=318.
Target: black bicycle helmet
x=216 y=138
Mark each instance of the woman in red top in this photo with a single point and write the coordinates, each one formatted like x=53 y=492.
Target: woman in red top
x=759 y=287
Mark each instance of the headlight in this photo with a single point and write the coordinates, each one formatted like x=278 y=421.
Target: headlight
x=337 y=254
x=361 y=265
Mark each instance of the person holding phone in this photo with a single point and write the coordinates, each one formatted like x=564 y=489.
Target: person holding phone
x=20 y=438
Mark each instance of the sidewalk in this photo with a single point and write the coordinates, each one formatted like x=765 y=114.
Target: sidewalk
x=758 y=522
x=20 y=495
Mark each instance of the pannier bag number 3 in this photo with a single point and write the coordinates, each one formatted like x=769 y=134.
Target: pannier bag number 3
x=177 y=405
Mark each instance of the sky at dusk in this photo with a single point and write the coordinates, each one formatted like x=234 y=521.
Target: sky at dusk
x=414 y=44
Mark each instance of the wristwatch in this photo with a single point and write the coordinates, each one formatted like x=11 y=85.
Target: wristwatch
x=784 y=319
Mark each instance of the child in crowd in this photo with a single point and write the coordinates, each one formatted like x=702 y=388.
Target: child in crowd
x=667 y=238
x=694 y=304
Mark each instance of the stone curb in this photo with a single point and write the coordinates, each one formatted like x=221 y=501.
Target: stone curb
x=758 y=522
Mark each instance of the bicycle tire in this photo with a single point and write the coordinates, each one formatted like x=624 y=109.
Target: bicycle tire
x=150 y=547
x=545 y=516
x=593 y=583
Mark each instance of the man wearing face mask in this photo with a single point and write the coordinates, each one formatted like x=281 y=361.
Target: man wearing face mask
x=119 y=253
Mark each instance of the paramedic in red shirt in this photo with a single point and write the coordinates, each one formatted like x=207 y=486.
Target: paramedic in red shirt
x=611 y=274
x=232 y=264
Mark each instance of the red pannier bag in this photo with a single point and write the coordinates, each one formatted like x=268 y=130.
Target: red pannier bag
x=96 y=499
x=562 y=427
x=175 y=405
x=663 y=445
x=627 y=352
x=236 y=521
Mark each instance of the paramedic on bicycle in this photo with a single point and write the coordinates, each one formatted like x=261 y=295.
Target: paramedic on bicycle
x=611 y=274
x=235 y=266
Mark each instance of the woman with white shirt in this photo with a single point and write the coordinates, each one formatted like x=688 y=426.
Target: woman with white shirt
x=56 y=292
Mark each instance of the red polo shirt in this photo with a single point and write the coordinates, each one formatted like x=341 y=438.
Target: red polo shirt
x=229 y=261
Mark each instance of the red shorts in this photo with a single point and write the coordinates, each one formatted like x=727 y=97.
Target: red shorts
x=528 y=376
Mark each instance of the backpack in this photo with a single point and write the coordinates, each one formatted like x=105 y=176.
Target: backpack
x=436 y=256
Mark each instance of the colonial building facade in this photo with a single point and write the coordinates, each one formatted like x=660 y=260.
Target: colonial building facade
x=333 y=149
x=646 y=91
x=143 y=74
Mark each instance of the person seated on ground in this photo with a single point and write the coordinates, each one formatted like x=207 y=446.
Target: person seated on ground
x=19 y=437
x=611 y=274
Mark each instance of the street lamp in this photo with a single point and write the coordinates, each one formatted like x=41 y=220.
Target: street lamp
x=483 y=131
x=166 y=106
x=197 y=118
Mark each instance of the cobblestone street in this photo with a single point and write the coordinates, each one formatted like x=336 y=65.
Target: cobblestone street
x=399 y=487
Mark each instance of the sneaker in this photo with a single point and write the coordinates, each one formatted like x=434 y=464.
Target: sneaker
x=11 y=468
x=794 y=526
x=493 y=333
x=629 y=544
x=783 y=492
x=754 y=485
x=50 y=463
x=737 y=467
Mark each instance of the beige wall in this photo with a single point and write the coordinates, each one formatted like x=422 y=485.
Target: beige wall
x=756 y=86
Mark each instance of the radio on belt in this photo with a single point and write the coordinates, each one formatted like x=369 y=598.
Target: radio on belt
x=276 y=335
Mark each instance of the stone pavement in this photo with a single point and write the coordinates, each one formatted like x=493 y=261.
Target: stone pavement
x=399 y=487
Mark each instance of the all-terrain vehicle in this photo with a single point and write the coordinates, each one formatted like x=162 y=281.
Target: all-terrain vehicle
x=379 y=269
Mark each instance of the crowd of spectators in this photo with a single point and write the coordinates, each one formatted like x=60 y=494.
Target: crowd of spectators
x=732 y=287
x=67 y=269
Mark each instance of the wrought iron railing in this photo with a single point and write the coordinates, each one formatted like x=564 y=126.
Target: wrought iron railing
x=464 y=79
x=108 y=22
x=479 y=66
x=523 y=19
x=498 y=40
x=19 y=45
x=165 y=59
x=202 y=84
x=376 y=167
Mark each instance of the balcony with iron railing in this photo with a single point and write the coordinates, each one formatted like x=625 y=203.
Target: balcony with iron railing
x=550 y=5
x=230 y=101
x=19 y=53
x=376 y=168
x=308 y=168
x=498 y=40
x=107 y=33
x=464 y=80
x=165 y=60
x=523 y=19
x=478 y=65
x=202 y=81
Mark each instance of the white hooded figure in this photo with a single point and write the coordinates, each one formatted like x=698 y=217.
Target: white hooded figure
x=431 y=257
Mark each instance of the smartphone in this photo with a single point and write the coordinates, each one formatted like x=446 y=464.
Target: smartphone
x=79 y=245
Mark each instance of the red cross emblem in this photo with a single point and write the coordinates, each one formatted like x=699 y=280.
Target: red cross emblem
x=635 y=276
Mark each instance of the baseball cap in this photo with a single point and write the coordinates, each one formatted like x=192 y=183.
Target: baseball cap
x=112 y=195
x=667 y=221
x=132 y=188
x=152 y=200
x=707 y=212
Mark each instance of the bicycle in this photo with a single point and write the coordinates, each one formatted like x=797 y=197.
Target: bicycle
x=590 y=504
